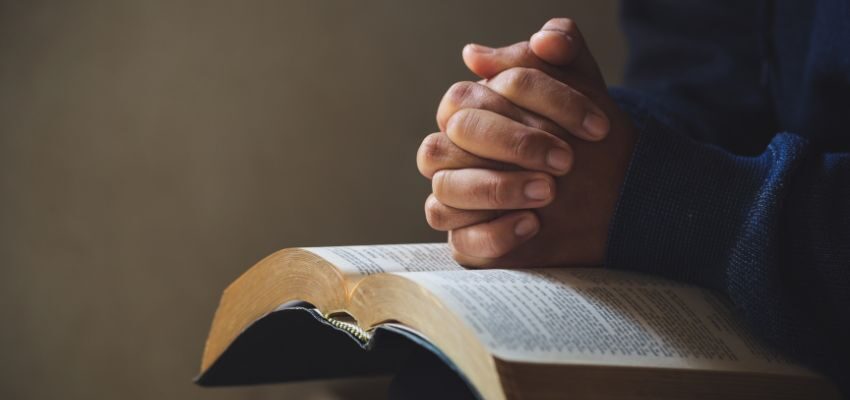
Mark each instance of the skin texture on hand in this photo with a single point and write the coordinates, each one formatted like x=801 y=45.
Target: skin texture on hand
x=527 y=167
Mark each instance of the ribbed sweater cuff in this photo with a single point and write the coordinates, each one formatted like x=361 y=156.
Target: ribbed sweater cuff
x=682 y=205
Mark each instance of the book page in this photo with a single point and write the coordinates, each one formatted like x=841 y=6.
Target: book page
x=599 y=316
x=368 y=260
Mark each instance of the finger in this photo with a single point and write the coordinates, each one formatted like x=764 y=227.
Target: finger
x=475 y=244
x=438 y=152
x=536 y=91
x=486 y=62
x=473 y=95
x=477 y=95
x=492 y=136
x=484 y=189
x=444 y=218
x=559 y=42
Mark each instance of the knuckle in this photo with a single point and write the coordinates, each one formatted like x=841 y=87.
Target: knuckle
x=434 y=213
x=430 y=152
x=438 y=183
x=524 y=146
x=524 y=52
x=459 y=92
x=461 y=122
x=495 y=191
x=516 y=79
x=576 y=102
x=570 y=97
x=488 y=243
x=519 y=79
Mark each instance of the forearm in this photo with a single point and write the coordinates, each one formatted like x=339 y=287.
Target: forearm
x=772 y=231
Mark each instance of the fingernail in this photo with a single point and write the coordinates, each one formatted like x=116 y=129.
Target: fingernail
x=525 y=227
x=479 y=48
x=553 y=33
x=537 y=190
x=595 y=125
x=558 y=159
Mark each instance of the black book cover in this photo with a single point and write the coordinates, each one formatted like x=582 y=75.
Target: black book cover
x=296 y=343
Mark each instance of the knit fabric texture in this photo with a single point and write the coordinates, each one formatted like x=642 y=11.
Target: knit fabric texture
x=740 y=179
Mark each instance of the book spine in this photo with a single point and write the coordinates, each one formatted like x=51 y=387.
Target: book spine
x=361 y=334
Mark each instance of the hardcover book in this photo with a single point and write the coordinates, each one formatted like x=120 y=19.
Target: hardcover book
x=580 y=333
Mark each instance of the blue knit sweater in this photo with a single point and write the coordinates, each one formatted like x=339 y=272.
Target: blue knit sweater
x=740 y=180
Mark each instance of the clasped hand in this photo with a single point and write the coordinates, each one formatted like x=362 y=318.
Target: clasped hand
x=528 y=164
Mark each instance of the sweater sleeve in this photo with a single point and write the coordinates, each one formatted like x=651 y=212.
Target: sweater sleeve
x=771 y=231
x=714 y=196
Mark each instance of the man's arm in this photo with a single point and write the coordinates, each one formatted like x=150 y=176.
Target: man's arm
x=772 y=230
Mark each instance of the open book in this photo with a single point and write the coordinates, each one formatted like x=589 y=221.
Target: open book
x=535 y=333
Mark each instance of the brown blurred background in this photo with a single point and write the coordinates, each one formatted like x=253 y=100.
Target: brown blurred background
x=150 y=151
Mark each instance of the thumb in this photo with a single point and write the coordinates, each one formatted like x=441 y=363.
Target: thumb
x=557 y=49
x=560 y=43
x=488 y=62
